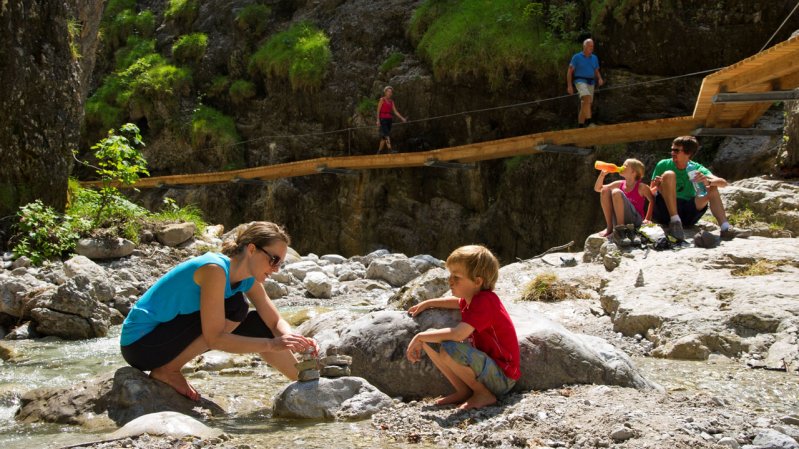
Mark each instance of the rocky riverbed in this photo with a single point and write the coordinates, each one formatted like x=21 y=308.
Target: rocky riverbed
x=631 y=348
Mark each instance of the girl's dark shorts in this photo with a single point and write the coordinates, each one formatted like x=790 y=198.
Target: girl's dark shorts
x=686 y=209
x=169 y=339
x=385 y=127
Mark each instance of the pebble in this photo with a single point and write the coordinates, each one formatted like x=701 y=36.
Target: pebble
x=621 y=434
x=729 y=442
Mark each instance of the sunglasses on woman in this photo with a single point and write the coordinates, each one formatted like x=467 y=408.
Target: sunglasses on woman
x=274 y=261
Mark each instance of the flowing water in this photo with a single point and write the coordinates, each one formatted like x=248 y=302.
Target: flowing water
x=247 y=398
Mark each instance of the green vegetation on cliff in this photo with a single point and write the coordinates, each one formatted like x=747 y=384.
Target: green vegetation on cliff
x=241 y=90
x=392 y=61
x=190 y=48
x=300 y=54
x=182 y=11
x=252 y=18
x=494 y=40
x=211 y=128
x=140 y=87
x=118 y=26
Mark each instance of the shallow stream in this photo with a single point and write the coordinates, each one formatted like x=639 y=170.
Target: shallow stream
x=247 y=396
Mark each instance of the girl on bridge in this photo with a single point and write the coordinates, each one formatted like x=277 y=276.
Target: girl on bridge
x=385 y=117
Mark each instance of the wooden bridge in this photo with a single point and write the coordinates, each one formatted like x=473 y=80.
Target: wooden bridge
x=729 y=102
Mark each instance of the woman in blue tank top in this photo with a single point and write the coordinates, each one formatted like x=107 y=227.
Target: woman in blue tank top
x=199 y=305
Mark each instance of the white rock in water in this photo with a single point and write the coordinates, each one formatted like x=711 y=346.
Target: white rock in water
x=172 y=424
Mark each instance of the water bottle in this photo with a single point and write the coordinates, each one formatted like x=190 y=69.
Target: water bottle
x=608 y=167
x=699 y=187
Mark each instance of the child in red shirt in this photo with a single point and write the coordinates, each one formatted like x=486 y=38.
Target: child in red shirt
x=479 y=356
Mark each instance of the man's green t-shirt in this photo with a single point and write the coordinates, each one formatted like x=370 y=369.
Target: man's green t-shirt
x=685 y=188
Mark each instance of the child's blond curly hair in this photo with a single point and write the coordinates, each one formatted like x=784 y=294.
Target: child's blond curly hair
x=637 y=166
x=479 y=261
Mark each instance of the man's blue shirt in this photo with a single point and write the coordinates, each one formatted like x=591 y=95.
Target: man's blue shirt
x=584 y=67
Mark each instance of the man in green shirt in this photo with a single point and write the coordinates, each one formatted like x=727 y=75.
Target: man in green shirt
x=676 y=202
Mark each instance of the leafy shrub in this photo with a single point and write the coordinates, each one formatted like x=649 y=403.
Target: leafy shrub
x=241 y=90
x=182 y=11
x=300 y=54
x=253 y=18
x=190 y=47
x=392 y=61
x=172 y=213
x=119 y=163
x=211 y=127
x=43 y=234
x=367 y=107
x=115 y=7
x=494 y=40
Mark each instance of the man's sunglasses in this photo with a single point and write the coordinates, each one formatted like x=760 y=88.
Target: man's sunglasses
x=273 y=260
x=677 y=150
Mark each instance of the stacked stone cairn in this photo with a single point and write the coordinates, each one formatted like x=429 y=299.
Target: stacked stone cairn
x=308 y=366
x=336 y=365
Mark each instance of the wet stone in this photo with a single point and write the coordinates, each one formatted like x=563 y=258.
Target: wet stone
x=306 y=365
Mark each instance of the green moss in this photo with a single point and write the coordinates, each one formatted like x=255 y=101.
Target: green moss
x=190 y=47
x=241 y=90
x=367 y=106
x=392 y=61
x=492 y=40
x=210 y=127
x=300 y=54
x=126 y=23
x=219 y=86
x=135 y=49
x=185 y=214
x=114 y=7
x=253 y=19
x=182 y=11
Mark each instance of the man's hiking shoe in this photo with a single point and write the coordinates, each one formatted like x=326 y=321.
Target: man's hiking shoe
x=621 y=237
x=706 y=240
x=633 y=235
x=675 y=230
x=733 y=233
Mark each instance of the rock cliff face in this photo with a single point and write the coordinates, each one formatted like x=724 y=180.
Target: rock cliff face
x=42 y=87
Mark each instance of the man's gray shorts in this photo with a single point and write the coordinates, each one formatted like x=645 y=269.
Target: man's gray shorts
x=485 y=368
x=630 y=214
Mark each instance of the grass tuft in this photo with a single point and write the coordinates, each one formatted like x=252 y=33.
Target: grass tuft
x=241 y=91
x=210 y=127
x=300 y=54
x=190 y=48
x=392 y=62
x=252 y=19
x=547 y=287
x=495 y=40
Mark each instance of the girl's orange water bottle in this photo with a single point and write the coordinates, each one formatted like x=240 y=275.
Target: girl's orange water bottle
x=608 y=167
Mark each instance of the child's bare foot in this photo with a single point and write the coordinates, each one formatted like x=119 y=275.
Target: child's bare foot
x=454 y=398
x=479 y=401
x=176 y=380
x=606 y=233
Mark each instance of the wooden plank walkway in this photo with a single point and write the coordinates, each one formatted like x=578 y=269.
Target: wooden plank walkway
x=774 y=69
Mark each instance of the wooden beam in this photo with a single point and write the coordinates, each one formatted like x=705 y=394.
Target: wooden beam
x=755 y=111
x=764 y=73
x=714 y=114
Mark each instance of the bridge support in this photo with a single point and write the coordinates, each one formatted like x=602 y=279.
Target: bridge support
x=740 y=132
x=564 y=149
x=432 y=162
x=335 y=171
x=756 y=97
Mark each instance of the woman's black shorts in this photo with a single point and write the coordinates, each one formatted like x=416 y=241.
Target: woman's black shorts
x=385 y=127
x=169 y=339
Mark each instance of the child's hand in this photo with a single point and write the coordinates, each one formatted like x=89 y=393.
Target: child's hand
x=414 y=352
x=416 y=310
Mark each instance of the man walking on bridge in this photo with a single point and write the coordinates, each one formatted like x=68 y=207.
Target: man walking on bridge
x=583 y=74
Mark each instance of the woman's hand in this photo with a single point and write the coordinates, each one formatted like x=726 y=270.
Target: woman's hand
x=292 y=342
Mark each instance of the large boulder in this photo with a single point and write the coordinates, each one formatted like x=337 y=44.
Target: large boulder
x=109 y=248
x=122 y=396
x=396 y=269
x=176 y=233
x=433 y=284
x=72 y=311
x=551 y=355
x=341 y=398
x=16 y=291
x=776 y=202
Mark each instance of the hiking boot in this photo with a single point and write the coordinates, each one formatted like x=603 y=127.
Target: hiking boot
x=675 y=230
x=634 y=238
x=732 y=233
x=620 y=236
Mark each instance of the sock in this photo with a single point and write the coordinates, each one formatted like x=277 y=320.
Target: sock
x=587 y=121
x=725 y=226
x=675 y=218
